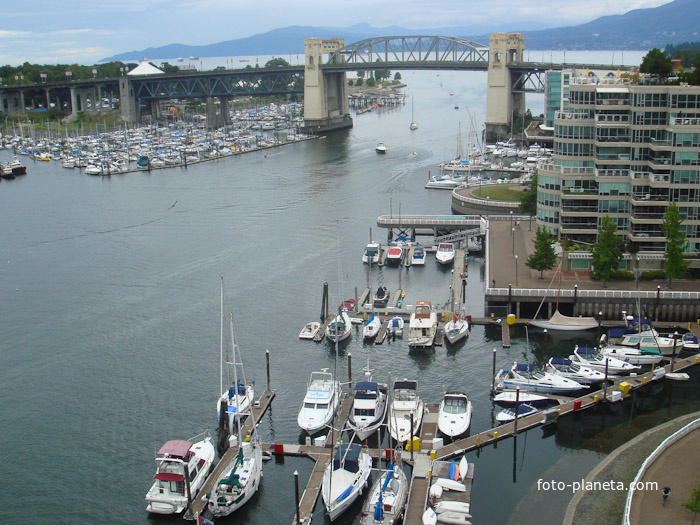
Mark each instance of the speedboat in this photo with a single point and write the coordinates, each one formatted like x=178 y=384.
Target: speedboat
x=396 y=326
x=369 y=406
x=635 y=356
x=445 y=253
x=371 y=327
x=523 y=410
x=422 y=325
x=591 y=358
x=387 y=500
x=456 y=329
x=320 y=402
x=371 y=253
x=339 y=328
x=381 y=297
x=665 y=345
x=526 y=378
x=394 y=256
x=418 y=256
x=175 y=460
x=17 y=167
x=509 y=398
x=690 y=341
x=404 y=404
x=567 y=368
x=380 y=148
x=310 y=330
x=455 y=414
x=345 y=478
x=239 y=482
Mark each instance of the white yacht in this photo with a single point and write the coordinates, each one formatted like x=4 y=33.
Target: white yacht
x=339 y=328
x=456 y=328
x=380 y=148
x=579 y=373
x=371 y=328
x=320 y=402
x=591 y=358
x=418 y=256
x=455 y=415
x=404 y=404
x=525 y=377
x=174 y=460
x=369 y=406
x=445 y=253
x=345 y=478
x=422 y=325
x=371 y=253
x=635 y=356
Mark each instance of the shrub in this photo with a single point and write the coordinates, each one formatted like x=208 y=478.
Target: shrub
x=652 y=275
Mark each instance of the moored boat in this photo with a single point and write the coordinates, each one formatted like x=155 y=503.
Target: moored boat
x=455 y=414
x=591 y=358
x=339 y=328
x=369 y=406
x=456 y=328
x=525 y=377
x=310 y=330
x=381 y=148
x=563 y=322
x=381 y=297
x=405 y=405
x=371 y=253
x=567 y=368
x=320 y=402
x=396 y=324
x=387 y=500
x=422 y=325
x=508 y=414
x=345 y=477
x=371 y=327
x=635 y=356
x=445 y=253
x=394 y=256
x=418 y=256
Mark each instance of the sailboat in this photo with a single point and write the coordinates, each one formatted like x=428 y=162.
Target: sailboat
x=238 y=396
x=387 y=499
x=414 y=124
x=345 y=478
x=239 y=481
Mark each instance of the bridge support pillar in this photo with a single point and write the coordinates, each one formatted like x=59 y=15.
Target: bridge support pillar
x=127 y=101
x=325 y=94
x=212 y=118
x=501 y=102
x=223 y=108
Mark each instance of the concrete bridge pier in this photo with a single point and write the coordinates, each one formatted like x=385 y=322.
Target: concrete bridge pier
x=127 y=101
x=223 y=109
x=212 y=117
x=501 y=102
x=325 y=94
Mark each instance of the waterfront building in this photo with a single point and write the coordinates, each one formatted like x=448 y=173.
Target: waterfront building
x=625 y=149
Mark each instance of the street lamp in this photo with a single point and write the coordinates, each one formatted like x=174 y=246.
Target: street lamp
x=512 y=234
x=636 y=264
x=511 y=218
x=121 y=71
x=94 y=73
x=69 y=75
x=516 y=270
x=43 y=77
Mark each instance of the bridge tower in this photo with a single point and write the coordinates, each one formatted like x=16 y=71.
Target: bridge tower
x=501 y=102
x=326 y=105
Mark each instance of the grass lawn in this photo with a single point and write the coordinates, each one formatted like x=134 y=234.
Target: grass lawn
x=503 y=192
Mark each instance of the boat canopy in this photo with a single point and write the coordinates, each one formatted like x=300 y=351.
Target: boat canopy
x=176 y=448
x=524 y=367
x=560 y=361
x=586 y=350
x=365 y=390
x=347 y=457
x=169 y=476
x=405 y=384
x=232 y=390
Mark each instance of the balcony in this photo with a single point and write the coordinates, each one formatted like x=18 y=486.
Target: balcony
x=548 y=165
x=605 y=172
x=571 y=115
x=684 y=121
x=606 y=118
x=613 y=102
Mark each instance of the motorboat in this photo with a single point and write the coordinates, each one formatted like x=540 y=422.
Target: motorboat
x=635 y=356
x=591 y=358
x=394 y=256
x=381 y=297
x=509 y=398
x=310 y=330
x=92 y=169
x=418 y=256
x=444 y=182
x=320 y=402
x=525 y=377
x=690 y=341
x=579 y=373
x=665 y=345
x=371 y=327
x=175 y=460
x=239 y=480
x=387 y=499
x=369 y=406
x=405 y=405
x=339 y=328
x=455 y=414
x=563 y=322
x=345 y=477
x=456 y=329
x=445 y=253
x=17 y=167
x=371 y=253
x=422 y=326
x=509 y=414
x=380 y=148
x=396 y=326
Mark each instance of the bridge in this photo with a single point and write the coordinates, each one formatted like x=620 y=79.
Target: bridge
x=322 y=81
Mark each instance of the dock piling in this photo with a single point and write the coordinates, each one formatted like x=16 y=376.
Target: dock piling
x=267 y=361
x=296 y=493
x=350 y=368
x=493 y=373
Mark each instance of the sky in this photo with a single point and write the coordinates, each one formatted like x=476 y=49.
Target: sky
x=78 y=31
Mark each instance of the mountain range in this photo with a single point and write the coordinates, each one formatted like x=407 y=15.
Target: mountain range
x=640 y=29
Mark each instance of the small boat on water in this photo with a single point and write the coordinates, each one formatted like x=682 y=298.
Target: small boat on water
x=339 y=328
x=310 y=330
x=591 y=358
x=508 y=414
x=371 y=327
x=387 y=500
x=381 y=297
x=371 y=253
x=405 y=403
x=345 y=478
x=664 y=345
x=320 y=402
x=563 y=322
x=567 y=368
x=635 y=356
x=369 y=406
x=418 y=256
x=175 y=460
x=445 y=253
x=525 y=377
x=422 y=326
x=455 y=414
x=690 y=341
x=394 y=256
x=17 y=167
x=380 y=148
x=456 y=329
x=396 y=324
x=508 y=398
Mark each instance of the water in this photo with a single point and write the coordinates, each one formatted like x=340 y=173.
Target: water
x=109 y=332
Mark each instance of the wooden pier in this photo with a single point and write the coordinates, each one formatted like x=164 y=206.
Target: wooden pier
x=258 y=409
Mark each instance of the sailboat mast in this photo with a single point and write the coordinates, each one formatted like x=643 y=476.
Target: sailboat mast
x=221 y=338
x=235 y=380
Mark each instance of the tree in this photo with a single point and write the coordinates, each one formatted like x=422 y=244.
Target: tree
x=693 y=502
x=359 y=81
x=657 y=63
x=397 y=76
x=276 y=62
x=360 y=73
x=528 y=199
x=544 y=256
x=676 y=265
x=371 y=82
x=606 y=251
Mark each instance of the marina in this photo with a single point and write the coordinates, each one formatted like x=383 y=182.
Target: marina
x=110 y=279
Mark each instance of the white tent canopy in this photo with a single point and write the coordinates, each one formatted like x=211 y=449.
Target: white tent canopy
x=144 y=68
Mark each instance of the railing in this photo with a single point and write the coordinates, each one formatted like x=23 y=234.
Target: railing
x=550 y=166
x=612 y=173
x=653 y=177
x=612 y=102
x=597 y=294
x=618 y=138
x=612 y=118
x=571 y=115
x=683 y=121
